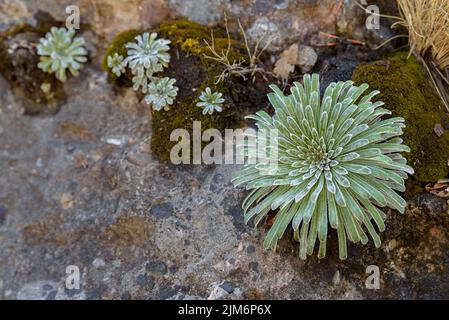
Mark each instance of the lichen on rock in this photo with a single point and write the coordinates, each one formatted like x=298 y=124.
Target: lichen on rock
x=408 y=93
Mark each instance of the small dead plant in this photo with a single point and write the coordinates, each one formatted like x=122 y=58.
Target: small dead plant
x=243 y=68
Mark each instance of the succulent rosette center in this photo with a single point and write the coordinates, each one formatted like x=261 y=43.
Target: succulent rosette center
x=338 y=163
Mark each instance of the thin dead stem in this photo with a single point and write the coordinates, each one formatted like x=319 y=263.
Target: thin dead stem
x=240 y=68
x=389 y=40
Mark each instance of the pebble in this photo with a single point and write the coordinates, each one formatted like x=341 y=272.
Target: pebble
x=227 y=286
x=98 y=263
x=157 y=266
x=144 y=280
x=250 y=249
x=307 y=58
x=336 y=278
x=162 y=211
x=52 y=295
x=217 y=293
x=117 y=141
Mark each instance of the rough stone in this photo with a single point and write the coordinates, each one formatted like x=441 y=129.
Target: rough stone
x=227 y=286
x=98 y=263
x=145 y=281
x=286 y=21
x=81 y=198
x=353 y=21
x=254 y=266
x=166 y=291
x=201 y=11
x=250 y=249
x=307 y=57
x=162 y=211
x=52 y=295
x=156 y=266
x=106 y=17
x=110 y=218
x=3 y=212
x=217 y=293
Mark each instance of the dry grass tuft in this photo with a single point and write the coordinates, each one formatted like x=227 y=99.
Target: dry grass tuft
x=427 y=22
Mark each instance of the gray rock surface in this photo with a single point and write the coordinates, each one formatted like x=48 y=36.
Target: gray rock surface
x=153 y=230
x=81 y=188
x=287 y=21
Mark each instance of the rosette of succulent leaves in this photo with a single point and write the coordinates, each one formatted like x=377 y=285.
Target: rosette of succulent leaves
x=338 y=163
x=59 y=51
x=145 y=57
x=210 y=101
x=161 y=93
x=117 y=64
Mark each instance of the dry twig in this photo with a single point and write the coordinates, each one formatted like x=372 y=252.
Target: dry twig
x=239 y=68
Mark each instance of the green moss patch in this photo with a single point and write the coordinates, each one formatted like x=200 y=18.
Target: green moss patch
x=193 y=73
x=407 y=92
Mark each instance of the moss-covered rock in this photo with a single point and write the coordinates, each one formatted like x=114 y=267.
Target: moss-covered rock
x=408 y=93
x=193 y=72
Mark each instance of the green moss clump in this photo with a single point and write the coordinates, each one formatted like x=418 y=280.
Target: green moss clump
x=193 y=73
x=407 y=92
